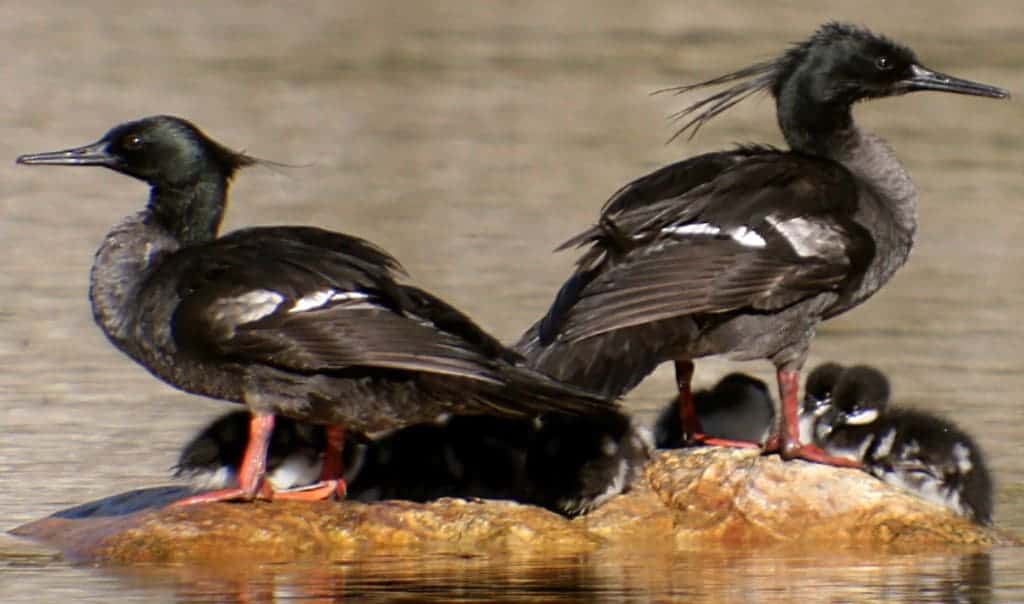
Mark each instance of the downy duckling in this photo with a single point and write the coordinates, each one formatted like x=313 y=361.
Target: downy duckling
x=569 y=465
x=912 y=449
x=738 y=408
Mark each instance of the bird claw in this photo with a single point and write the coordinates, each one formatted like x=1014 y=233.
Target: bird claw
x=263 y=493
x=320 y=491
x=812 y=453
x=699 y=439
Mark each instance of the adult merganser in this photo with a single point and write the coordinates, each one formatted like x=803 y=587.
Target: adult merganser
x=744 y=252
x=294 y=321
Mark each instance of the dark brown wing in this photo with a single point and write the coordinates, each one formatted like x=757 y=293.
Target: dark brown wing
x=309 y=302
x=359 y=330
x=765 y=233
x=693 y=277
x=643 y=199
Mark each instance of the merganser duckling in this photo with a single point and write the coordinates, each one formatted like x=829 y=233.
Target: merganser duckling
x=567 y=464
x=738 y=408
x=907 y=448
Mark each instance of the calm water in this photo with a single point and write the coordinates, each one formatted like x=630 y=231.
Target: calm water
x=469 y=139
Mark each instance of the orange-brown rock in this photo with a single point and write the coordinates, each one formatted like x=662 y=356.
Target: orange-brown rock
x=700 y=498
x=636 y=517
x=737 y=496
x=287 y=530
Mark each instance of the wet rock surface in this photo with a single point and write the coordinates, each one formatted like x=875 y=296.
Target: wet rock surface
x=700 y=498
x=735 y=497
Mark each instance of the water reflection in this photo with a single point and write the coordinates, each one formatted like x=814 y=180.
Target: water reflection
x=440 y=577
x=609 y=576
x=469 y=139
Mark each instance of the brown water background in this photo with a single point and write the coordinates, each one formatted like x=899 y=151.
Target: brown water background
x=469 y=138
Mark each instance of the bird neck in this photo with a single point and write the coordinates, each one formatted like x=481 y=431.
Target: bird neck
x=128 y=256
x=887 y=202
x=190 y=212
x=828 y=130
x=812 y=127
x=877 y=168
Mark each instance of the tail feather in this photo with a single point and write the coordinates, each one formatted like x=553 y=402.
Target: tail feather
x=567 y=296
x=610 y=364
x=543 y=394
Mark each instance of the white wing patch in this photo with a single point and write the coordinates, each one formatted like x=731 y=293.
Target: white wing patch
x=807 y=237
x=747 y=237
x=696 y=228
x=324 y=297
x=258 y=303
x=742 y=235
x=313 y=300
x=248 y=307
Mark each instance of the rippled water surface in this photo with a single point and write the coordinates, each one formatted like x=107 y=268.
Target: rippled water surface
x=469 y=139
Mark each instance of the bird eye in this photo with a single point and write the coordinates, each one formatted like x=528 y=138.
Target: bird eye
x=883 y=63
x=132 y=143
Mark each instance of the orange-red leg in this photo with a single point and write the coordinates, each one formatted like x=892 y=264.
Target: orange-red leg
x=787 y=442
x=252 y=482
x=251 y=474
x=693 y=434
